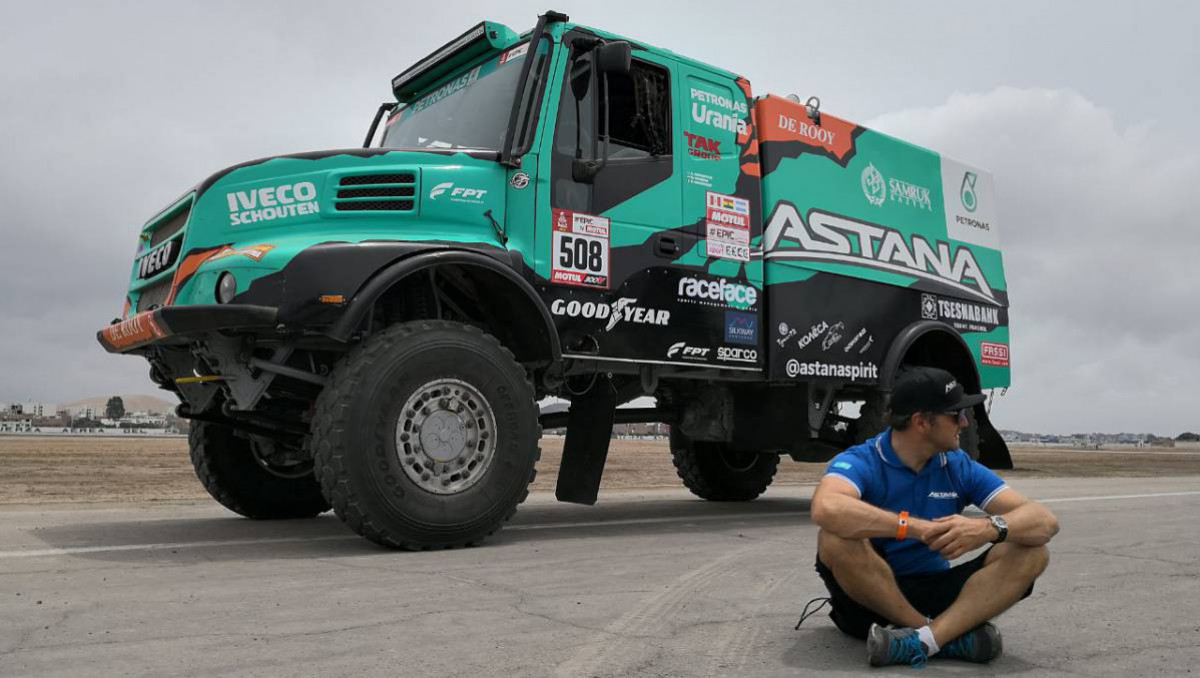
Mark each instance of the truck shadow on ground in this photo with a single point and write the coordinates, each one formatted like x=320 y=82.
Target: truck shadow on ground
x=232 y=538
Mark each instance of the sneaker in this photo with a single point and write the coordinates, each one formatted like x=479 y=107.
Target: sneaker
x=980 y=645
x=895 y=646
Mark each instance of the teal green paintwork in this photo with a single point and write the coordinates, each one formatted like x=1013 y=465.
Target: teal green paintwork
x=444 y=217
x=523 y=212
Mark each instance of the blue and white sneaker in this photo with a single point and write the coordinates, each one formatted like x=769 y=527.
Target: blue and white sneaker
x=895 y=646
x=980 y=645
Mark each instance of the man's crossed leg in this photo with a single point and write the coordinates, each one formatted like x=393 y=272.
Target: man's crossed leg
x=960 y=600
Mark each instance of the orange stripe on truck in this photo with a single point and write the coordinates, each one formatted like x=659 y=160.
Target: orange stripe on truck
x=782 y=120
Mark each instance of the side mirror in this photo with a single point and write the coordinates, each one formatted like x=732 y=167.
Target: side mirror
x=614 y=57
x=585 y=171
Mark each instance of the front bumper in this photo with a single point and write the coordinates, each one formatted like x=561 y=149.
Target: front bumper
x=179 y=323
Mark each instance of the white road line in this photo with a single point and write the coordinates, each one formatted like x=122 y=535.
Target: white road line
x=1138 y=453
x=1113 y=497
x=652 y=521
x=79 y=550
x=75 y=550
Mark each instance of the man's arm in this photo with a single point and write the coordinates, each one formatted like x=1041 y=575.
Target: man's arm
x=1029 y=524
x=837 y=508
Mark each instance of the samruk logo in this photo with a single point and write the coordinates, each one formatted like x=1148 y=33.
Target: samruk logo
x=873 y=185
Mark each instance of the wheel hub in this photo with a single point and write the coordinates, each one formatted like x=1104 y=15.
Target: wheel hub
x=446 y=436
x=738 y=461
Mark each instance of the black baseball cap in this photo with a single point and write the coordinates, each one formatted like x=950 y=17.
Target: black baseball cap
x=929 y=389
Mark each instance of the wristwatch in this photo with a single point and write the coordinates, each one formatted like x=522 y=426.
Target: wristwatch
x=1001 y=526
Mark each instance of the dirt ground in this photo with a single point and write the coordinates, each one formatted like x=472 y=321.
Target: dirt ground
x=39 y=470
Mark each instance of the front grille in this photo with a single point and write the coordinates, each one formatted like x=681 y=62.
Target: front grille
x=383 y=192
x=397 y=178
x=170 y=227
x=401 y=191
x=376 y=205
x=154 y=296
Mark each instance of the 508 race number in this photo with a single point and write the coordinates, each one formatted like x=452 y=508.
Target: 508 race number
x=580 y=250
x=581 y=254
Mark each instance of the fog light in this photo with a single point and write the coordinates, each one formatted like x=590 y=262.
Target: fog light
x=226 y=288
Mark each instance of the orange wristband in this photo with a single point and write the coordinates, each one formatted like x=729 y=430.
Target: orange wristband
x=902 y=527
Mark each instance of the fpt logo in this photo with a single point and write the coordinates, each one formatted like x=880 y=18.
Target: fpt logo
x=873 y=185
x=967 y=193
x=457 y=193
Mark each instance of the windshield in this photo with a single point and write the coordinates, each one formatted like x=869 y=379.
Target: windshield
x=467 y=110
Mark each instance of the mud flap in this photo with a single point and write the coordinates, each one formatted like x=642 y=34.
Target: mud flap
x=589 y=430
x=993 y=451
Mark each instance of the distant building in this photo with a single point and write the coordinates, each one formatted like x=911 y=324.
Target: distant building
x=86 y=412
x=143 y=419
x=16 y=425
x=38 y=409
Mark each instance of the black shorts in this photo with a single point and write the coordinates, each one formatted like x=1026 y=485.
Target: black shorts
x=930 y=594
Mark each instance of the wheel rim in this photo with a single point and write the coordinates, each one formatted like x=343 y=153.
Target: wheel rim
x=446 y=436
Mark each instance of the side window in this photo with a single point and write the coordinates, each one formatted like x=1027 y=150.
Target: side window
x=639 y=146
x=639 y=113
x=575 y=136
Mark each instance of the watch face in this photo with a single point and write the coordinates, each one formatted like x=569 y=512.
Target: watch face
x=1001 y=526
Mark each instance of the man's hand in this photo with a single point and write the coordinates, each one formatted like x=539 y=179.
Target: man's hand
x=955 y=535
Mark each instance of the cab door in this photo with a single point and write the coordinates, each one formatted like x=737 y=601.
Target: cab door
x=614 y=230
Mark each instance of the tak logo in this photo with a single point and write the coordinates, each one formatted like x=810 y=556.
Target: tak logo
x=703 y=147
x=951 y=385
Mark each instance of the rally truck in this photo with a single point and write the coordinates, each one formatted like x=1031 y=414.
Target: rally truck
x=561 y=216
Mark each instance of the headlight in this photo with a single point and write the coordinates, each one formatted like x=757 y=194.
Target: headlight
x=226 y=288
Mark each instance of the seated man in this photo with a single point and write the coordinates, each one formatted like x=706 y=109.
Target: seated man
x=889 y=510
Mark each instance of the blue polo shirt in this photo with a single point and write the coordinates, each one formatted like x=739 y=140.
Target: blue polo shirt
x=949 y=483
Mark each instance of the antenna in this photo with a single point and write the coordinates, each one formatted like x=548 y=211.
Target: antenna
x=813 y=108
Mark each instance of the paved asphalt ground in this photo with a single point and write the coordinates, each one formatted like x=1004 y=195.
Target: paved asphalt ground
x=645 y=584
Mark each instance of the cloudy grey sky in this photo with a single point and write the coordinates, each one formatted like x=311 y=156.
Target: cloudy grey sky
x=1085 y=112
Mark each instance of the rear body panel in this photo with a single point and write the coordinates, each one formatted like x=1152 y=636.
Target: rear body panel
x=865 y=235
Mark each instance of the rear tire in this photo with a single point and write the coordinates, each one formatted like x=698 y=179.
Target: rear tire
x=872 y=418
x=968 y=440
x=227 y=467
x=714 y=472
x=426 y=436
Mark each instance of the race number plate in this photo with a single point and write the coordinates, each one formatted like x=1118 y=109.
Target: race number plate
x=580 y=254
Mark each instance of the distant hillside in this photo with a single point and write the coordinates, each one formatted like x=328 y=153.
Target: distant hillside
x=133 y=403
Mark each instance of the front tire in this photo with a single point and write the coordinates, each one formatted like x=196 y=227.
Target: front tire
x=714 y=472
x=227 y=466
x=426 y=436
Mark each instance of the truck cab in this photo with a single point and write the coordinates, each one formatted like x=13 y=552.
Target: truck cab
x=562 y=213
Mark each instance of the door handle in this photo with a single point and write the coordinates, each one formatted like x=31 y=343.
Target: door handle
x=666 y=246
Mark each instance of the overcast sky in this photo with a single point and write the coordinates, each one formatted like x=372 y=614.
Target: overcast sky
x=1085 y=112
